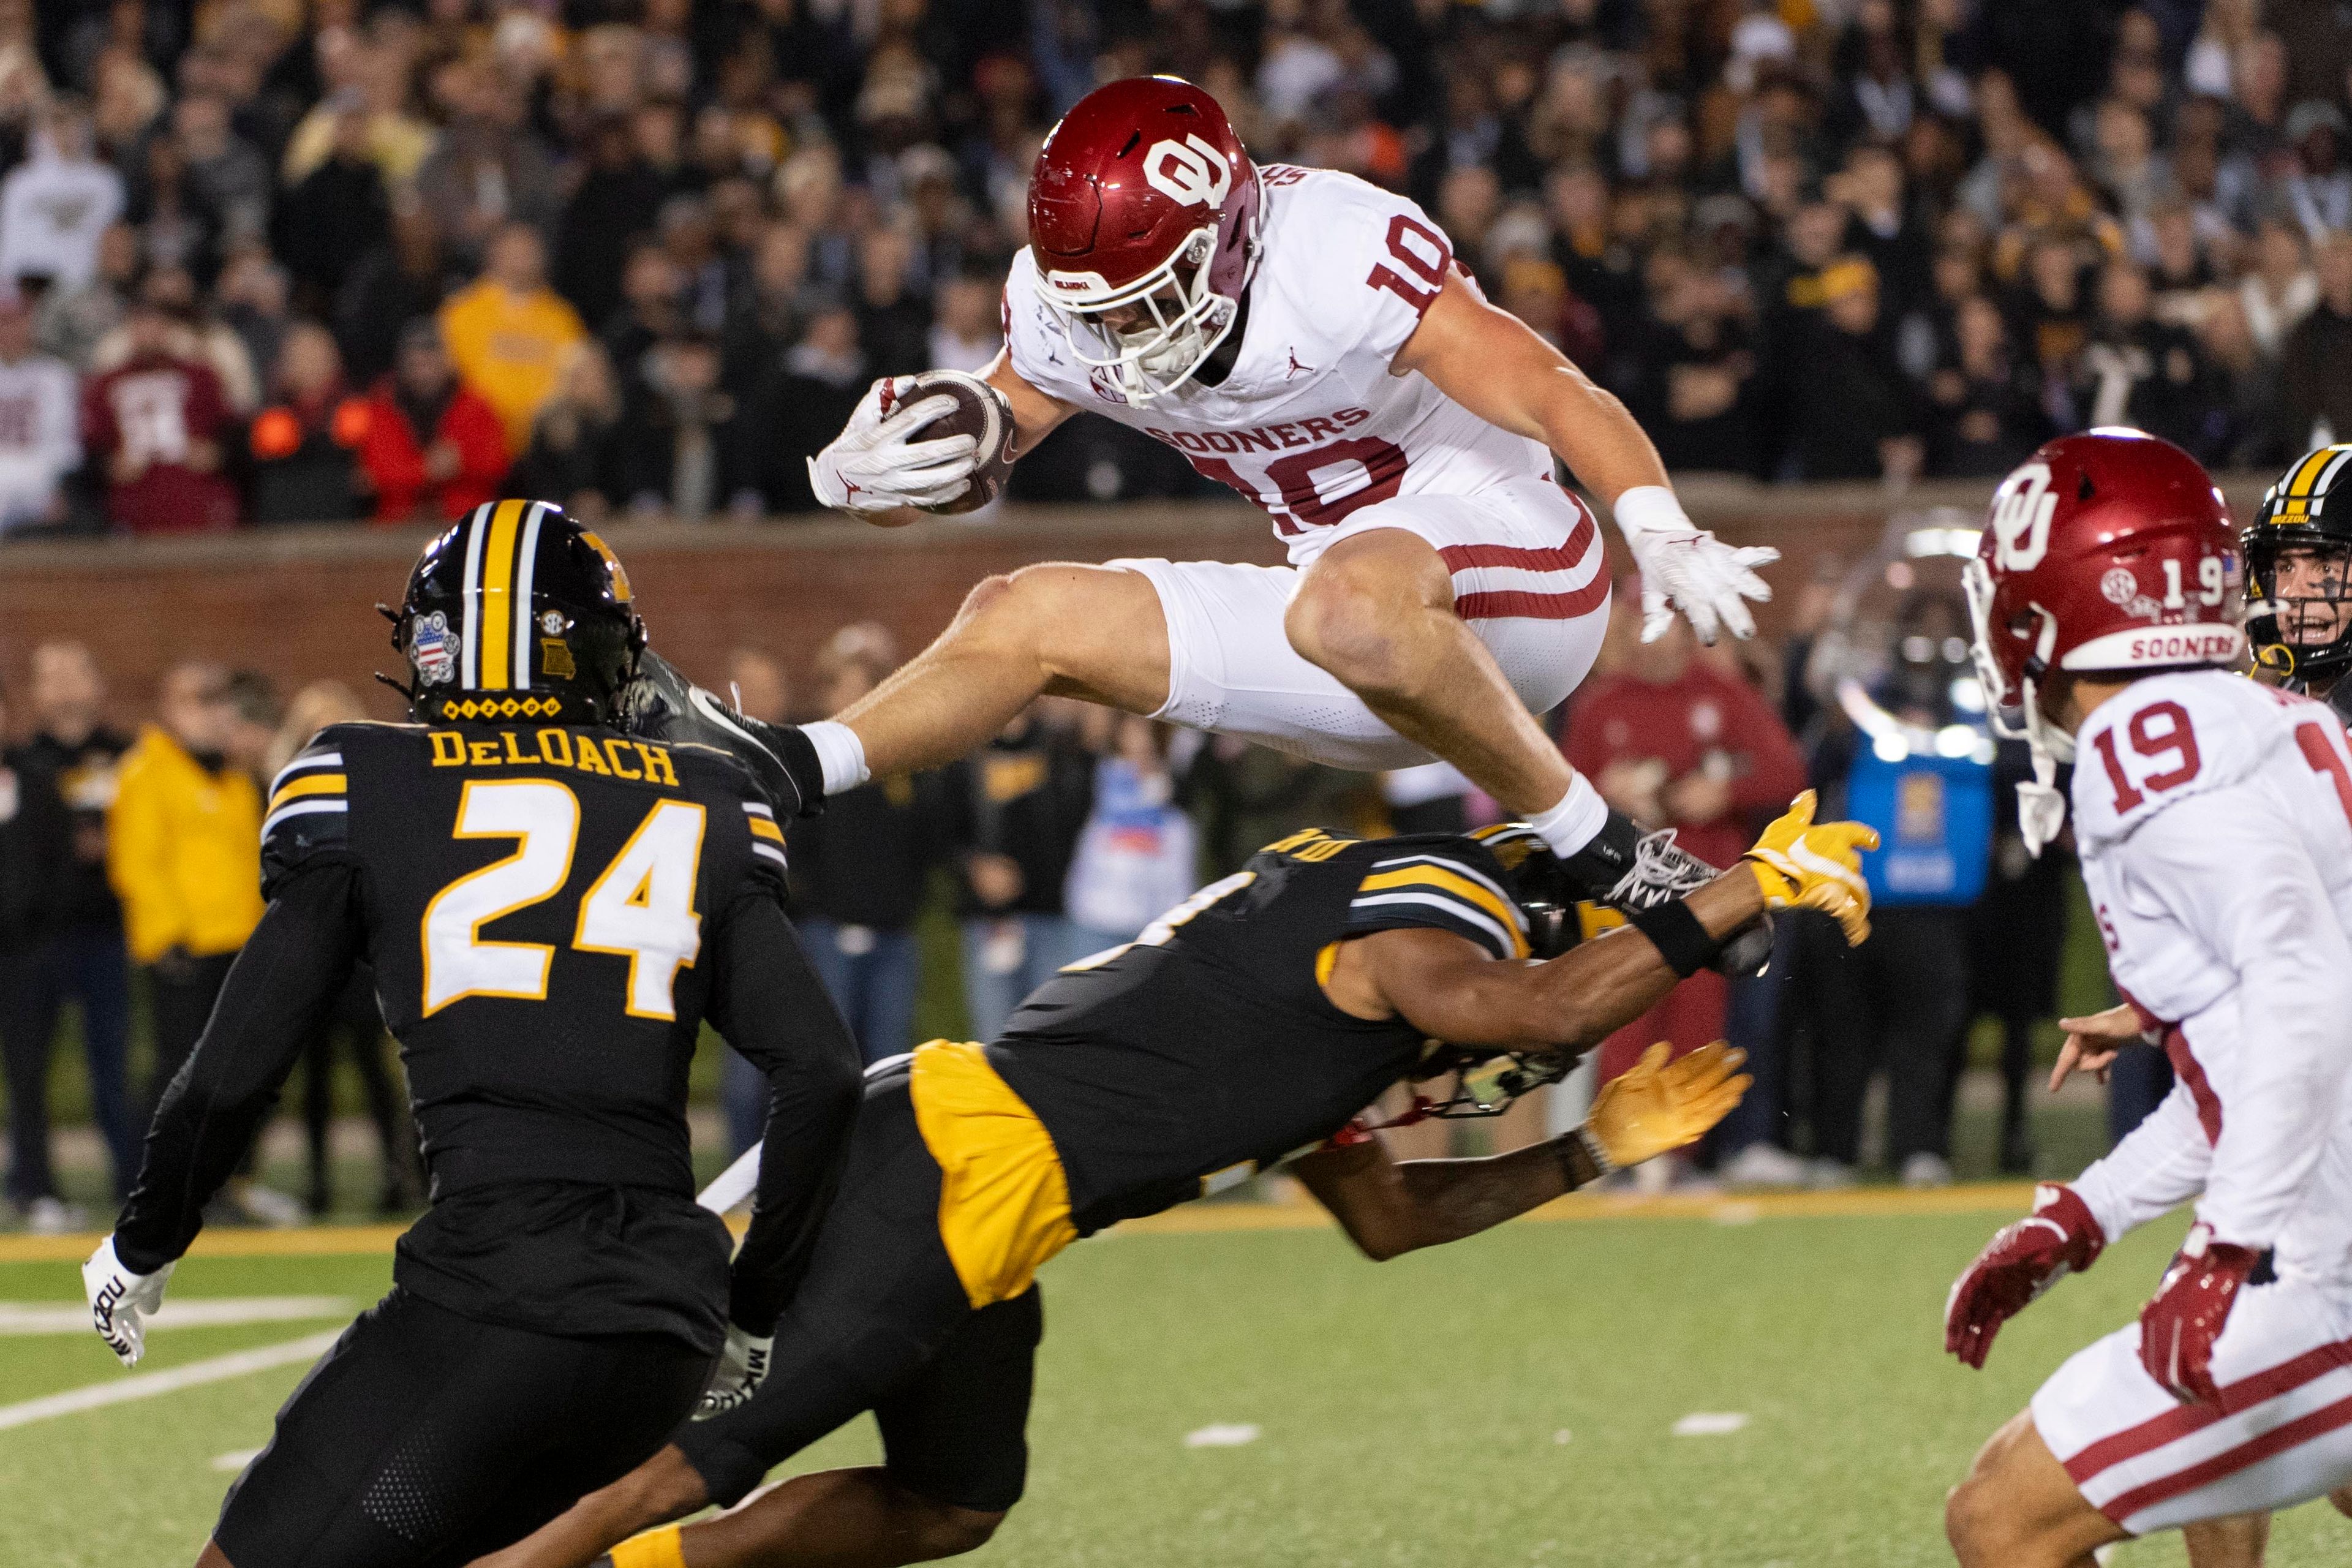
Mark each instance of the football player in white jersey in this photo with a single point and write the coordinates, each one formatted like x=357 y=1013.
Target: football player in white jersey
x=1305 y=338
x=2214 y=818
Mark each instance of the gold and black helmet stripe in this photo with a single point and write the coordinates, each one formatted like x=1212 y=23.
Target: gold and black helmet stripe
x=501 y=556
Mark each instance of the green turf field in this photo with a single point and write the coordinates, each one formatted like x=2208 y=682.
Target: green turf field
x=1506 y=1400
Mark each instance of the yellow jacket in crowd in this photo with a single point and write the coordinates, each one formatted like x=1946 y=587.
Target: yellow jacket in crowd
x=508 y=347
x=183 y=852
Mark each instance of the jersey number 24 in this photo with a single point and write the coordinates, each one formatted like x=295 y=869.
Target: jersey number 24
x=641 y=906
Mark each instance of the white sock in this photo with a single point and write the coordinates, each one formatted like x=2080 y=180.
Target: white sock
x=844 y=756
x=1575 y=821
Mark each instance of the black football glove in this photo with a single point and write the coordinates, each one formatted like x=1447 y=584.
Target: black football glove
x=661 y=704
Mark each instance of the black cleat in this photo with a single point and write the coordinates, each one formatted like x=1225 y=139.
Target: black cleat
x=661 y=704
x=1627 y=868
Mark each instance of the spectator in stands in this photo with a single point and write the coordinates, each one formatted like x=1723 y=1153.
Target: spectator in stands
x=507 y=332
x=2138 y=371
x=486 y=169
x=2316 y=365
x=55 y=204
x=71 y=323
x=32 y=834
x=858 y=871
x=41 y=418
x=966 y=335
x=680 y=453
x=2280 y=289
x=1672 y=740
x=229 y=174
x=1137 y=857
x=1851 y=414
x=305 y=446
x=576 y=456
x=1986 y=419
x=434 y=448
x=807 y=401
x=399 y=279
x=337 y=215
x=157 y=425
x=1015 y=809
x=183 y=853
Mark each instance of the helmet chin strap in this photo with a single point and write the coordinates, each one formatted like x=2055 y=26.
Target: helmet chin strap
x=2041 y=805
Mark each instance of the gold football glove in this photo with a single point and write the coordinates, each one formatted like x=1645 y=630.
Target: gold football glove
x=1656 y=1106
x=1801 y=864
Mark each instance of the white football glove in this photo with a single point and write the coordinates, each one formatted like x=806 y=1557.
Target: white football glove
x=742 y=1366
x=1684 y=567
x=119 y=1299
x=874 y=465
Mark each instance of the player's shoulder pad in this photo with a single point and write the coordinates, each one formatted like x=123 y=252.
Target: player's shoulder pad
x=1035 y=339
x=1441 y=881
x=721 y=784
x=2179 y=737
x=1360 y=264
x=306 y=819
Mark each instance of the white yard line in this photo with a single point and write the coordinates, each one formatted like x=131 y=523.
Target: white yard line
x=148 y=1384
x=194 y=1313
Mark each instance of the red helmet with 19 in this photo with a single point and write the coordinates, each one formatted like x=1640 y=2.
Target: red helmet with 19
x=2110 y=552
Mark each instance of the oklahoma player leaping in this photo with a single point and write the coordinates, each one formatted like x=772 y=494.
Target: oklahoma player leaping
x=1305 y=338
x=2215 y=821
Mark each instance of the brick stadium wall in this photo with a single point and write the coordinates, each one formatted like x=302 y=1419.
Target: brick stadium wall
x=298 y=604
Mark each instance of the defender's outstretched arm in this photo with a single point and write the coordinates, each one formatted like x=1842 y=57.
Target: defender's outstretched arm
x=1388 y=1209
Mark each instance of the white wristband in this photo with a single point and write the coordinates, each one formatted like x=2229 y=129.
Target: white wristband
x=1649 y=508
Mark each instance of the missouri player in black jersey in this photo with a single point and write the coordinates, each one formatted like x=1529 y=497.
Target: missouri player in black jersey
x=1250 y=1024
x=553 y=908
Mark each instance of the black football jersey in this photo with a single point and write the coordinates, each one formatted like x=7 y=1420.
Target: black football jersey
x=551 y=912
x=534 y=902
x=1206 y=1046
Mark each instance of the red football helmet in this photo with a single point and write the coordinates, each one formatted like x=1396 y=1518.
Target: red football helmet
x=1144 y=206
x=2110 y=551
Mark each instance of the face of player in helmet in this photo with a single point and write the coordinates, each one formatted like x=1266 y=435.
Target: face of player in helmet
x=2308 y=584
x=1158 y=338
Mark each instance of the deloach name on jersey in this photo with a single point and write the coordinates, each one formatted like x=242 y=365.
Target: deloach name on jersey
x=614 y=756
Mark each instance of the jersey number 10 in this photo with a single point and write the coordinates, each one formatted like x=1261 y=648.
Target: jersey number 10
x=641 y=906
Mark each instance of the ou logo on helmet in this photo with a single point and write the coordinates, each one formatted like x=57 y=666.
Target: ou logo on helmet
x=1191 y=172
x=2020 y=518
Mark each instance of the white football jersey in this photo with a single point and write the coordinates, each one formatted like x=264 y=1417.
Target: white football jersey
x=2214 y=817
x=1310 y=425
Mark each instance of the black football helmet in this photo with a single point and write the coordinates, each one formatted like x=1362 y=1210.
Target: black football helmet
x=2302 y=626
x=518 y=614
x=1539 y=882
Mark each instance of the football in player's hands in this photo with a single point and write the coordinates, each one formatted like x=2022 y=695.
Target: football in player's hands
x=982 y=413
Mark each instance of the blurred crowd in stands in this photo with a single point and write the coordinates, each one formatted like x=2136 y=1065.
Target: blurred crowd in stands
x=274 y=261
x=129 y=867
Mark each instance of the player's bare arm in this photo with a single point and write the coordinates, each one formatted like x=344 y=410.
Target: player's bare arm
x=1494 y=364
x=1388 y=1208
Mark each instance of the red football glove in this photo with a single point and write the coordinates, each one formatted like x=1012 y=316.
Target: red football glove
x=2181 y=1320
x=2023 y=1260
